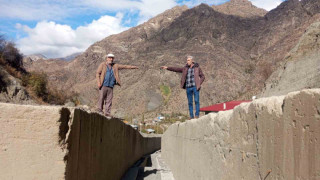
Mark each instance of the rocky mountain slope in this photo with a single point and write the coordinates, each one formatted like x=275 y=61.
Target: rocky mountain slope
x=236 y=52
x=34 y=57
x=70 y=57
x=242 y=8
x=301 y=67
x=11 y=89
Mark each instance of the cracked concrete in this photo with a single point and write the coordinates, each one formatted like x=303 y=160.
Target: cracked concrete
x=269 y=138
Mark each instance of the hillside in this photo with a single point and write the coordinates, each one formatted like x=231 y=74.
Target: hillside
x=11 y=90
x=301 y=67
x=19 y=86
x=237 y=55
x=242 y=8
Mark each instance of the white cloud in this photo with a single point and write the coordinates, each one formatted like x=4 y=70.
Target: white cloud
x=34 y=10
x=56 y=40
x=267 y=4
x=59 y=9
x=146 y=8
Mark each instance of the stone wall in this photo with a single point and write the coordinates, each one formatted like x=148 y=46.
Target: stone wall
x=47 y=142
x=269 y=138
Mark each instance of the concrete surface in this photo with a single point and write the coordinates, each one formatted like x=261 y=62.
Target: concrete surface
x=52 y=142
x=158 y=170
x=150 y=167
x=30 y=144
x=269 y=138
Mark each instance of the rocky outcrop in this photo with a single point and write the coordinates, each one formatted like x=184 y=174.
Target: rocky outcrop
x=36 y=57
x=269 y=138
x=301 y=68
x=242 y=8
x=51 y=142
x=11 y=89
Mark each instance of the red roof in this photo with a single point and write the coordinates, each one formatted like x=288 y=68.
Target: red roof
x=222 y=107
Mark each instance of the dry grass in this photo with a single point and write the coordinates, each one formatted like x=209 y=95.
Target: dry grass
x=38 y=85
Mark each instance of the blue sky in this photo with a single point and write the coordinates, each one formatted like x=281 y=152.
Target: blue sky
x=57 y=28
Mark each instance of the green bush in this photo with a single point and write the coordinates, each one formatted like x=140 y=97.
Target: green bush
x=37 y=82
x=166 y=93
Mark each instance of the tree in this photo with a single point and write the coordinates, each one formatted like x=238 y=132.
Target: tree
x=11 y=55
x=2 y=44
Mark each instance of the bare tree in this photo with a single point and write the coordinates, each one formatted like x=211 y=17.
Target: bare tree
x=2 y=43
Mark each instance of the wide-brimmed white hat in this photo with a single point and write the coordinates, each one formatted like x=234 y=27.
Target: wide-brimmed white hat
x=110 y=55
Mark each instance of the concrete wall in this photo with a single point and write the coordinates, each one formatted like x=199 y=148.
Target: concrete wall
x=269 y=138
x=104 y=149
x=46 y=142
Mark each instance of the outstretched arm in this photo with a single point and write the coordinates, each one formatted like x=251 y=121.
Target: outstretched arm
x=174 y=69
x=120 y=66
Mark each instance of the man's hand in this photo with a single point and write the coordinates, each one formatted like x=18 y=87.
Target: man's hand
x=99 y=85
x=164 y=67
x=135 y=67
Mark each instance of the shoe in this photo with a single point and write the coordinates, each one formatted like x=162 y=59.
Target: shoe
x=197 y=117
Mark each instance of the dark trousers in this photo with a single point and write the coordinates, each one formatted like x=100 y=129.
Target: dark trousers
x=193 y=92
x=105 y=99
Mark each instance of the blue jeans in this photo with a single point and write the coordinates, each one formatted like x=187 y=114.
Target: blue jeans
x=192 y=91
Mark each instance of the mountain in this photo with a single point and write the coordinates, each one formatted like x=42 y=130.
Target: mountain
x=280 y=32
x=35 y=57
x=301 y=68
x=237 y=53
x=71 y=56
x=242 y=8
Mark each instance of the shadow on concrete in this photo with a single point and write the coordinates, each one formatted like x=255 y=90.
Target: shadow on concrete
x=146 y=173
x=137 y=170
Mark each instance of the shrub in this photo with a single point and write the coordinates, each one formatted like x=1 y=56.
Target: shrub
x=37 y=82
x=11 y=55
x=2 y=44
x=249 y=68
x=59 y=97
x=3 y=84
x=10 y=58
x=166 y=92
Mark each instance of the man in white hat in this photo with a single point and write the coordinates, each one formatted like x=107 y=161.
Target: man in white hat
x=107 y=76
